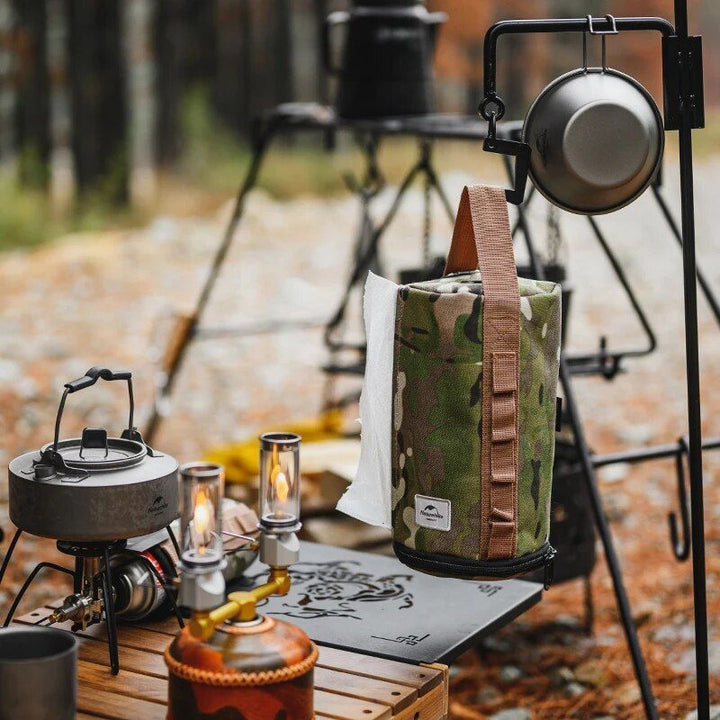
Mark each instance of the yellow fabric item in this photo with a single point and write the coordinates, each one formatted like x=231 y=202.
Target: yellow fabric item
x=241 y=460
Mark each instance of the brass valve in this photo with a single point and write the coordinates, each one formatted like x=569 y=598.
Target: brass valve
x=241 y=606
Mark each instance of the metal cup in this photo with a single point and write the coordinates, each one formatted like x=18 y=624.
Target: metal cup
x=597 y=140
x=38 y=674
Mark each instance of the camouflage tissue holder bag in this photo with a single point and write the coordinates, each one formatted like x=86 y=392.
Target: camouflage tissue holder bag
x=475 y=374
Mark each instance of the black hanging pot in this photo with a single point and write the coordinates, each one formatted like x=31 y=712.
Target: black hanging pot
x=386 y=67
x=94 y=488
x=597 y=140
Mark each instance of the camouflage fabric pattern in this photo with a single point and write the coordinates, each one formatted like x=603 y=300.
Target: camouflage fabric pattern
x=437 y=411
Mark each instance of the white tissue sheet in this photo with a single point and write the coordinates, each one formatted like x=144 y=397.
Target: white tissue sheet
x=368 y=497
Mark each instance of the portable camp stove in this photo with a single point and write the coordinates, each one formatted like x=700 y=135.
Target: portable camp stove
x=91 y=494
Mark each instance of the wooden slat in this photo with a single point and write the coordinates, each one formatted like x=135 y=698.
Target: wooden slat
x=420 y=677
x=445 y=671
x=168 y=626
x=107 y=704
x=379 y=691
x=127 y=683
x=431 y=706
x=138 y=661
x=340 y=707
x=86 y=716
x=128 y=636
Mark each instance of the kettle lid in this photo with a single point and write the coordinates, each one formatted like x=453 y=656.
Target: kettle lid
x=96 y=452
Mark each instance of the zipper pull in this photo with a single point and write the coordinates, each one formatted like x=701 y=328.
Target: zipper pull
x=549 y=571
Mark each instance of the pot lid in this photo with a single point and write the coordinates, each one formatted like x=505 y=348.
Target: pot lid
x=96 y=452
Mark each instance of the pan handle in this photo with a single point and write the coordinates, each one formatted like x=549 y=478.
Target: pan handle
x=87 y=380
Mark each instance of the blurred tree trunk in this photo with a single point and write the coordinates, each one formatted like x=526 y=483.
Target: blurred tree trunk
x=7 y=84
x=62 y=166
x=98 y=97
x=140 y=71
x=170 y=42
x=32 y=136
x=234 y=76
x=254 y=59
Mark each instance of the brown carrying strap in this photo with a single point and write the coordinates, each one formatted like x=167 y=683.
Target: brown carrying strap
x=482 y=239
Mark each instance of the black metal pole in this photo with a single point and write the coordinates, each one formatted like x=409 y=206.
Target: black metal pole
x=110 y=619
x=687 y=206
x=611 y=558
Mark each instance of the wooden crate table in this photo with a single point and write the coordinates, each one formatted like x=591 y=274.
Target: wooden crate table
x=348 y=686
x=385 y=635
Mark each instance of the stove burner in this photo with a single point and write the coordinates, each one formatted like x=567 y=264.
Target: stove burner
x=95 y=597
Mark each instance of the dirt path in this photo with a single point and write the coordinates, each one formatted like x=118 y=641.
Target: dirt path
x=101 y=299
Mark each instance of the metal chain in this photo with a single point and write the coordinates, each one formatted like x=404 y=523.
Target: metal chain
x=554 y=238
x=427 y=220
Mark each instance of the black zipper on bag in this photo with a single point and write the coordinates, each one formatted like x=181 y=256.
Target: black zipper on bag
x=469 y=569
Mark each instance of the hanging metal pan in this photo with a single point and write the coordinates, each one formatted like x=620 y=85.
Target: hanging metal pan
x=597 y=140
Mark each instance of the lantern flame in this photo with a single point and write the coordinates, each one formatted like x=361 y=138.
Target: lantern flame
x=201 y=517
x=282 y=487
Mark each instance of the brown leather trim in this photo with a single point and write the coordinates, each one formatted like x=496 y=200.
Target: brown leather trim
x=482 y=239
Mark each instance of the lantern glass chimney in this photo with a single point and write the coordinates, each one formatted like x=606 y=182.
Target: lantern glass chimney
x=279 y=480
x=200 y=513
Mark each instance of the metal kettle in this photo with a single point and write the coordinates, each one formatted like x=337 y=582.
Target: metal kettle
x=386 y=67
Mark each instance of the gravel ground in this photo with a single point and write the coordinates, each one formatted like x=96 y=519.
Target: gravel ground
x=106 y=298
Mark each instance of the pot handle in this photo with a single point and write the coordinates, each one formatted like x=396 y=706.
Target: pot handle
x=90 y=378
x=332 y=20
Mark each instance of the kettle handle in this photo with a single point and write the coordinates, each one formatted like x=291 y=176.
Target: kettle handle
x=90 y=378
x=332 y=20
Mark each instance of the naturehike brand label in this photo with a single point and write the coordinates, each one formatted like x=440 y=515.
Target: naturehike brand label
x=432 y=512
x=158 y=506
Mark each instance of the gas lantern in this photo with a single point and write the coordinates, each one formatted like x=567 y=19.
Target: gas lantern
x=229 y=659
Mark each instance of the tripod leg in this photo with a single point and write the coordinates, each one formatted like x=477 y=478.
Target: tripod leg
x=601 y=523
x=9 y=553
x=78 y=576
x=28 y=582
x=712 y=300
x=611 y=558
x=220 y=255
x=110 y=620
x=363 y=260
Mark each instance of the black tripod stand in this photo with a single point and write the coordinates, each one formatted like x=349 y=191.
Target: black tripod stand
x=296 y=117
